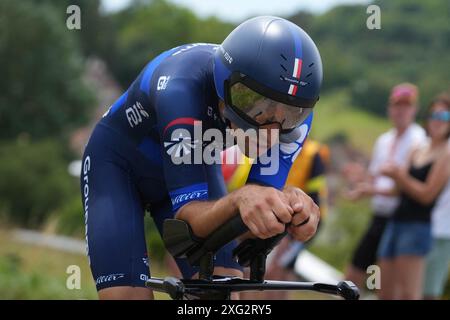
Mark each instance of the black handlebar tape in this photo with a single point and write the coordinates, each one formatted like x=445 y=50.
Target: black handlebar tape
x=227 y=232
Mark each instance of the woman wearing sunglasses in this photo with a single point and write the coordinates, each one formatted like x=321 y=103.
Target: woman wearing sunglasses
x=407 y=238
x=438 y=260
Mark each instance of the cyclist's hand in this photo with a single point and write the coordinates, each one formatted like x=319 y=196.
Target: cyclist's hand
x=306 y=214
x=264 y=210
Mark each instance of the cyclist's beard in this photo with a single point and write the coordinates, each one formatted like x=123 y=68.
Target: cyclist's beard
x=254 y=144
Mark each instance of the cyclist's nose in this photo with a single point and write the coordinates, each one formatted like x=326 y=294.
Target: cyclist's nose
x=272 y=118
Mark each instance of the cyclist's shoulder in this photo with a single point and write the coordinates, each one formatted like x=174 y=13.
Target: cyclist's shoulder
x=186 y=64
x=185 y=77
x=198 y=48
x=188 y=57
x=183 y=68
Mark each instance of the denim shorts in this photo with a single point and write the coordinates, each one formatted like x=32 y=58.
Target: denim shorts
x=405 y=238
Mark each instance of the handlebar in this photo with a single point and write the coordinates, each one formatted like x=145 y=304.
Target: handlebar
x=226 y=233
x=181 y=242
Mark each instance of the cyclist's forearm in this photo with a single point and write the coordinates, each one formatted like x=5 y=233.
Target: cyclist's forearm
x=206 y=216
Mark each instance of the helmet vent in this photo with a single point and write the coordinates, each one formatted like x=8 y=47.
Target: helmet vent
x=309 y=74
x=282 y=55
x=312 y=63
x=284 y=68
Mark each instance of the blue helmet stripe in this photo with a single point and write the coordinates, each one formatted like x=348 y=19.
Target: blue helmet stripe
x=297 y=41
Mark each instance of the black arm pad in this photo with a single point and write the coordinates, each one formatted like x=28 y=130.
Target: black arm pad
x=227 y=232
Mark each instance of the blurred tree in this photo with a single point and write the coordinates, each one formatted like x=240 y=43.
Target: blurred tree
x=41 y=88
x=96 y=35
x=147 y=28
x=34 y=181
x=410 y=46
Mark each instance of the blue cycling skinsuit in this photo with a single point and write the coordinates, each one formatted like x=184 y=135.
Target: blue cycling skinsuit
x=127 y=166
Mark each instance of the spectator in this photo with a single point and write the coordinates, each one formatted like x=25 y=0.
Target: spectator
x=392 y=146
x=407 y=237
x=436 y=270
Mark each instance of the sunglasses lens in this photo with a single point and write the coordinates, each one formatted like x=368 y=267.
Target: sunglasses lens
x=441 y=116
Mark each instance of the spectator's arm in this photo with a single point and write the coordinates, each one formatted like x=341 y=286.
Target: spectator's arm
x=426 y=192
x=386 y=192
x=363 y=190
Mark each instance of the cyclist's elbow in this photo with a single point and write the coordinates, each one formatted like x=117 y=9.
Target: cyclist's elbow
x=193 y=213
x=184 y=212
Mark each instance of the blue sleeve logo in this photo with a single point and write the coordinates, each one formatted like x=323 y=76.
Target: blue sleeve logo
x=187 y=194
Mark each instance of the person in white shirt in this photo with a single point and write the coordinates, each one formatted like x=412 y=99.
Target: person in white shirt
x=393 y=146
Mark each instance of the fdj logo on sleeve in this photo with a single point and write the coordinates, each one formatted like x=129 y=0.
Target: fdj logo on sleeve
x=135 y=113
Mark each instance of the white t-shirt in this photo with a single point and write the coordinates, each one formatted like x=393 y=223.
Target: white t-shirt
x=440 y=216
x=387 y=149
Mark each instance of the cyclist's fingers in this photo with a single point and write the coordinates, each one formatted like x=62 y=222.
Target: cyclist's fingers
x=272 y=224
x=282 y=211
x=304 y=229
x=256 y=227
x=300 y=216
x=265 y=224
x=295 y=198
x=262 y=219
x=280 y=207
x=251 y=226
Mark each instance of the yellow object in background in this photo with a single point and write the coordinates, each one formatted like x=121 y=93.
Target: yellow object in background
x=301 y=172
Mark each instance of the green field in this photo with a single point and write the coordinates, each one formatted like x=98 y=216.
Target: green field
x=34 y=272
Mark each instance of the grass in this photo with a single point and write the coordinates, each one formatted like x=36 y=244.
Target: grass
x=335 y=116
x=33 y=272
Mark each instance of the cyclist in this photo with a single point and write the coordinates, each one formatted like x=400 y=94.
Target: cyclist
x=265 y=75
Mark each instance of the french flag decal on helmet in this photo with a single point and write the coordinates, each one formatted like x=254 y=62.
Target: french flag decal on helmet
x=296 y=74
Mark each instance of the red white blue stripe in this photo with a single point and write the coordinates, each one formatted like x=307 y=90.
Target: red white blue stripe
x=296 y=74
x=298 y=53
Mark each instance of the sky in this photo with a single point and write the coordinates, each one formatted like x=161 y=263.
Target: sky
x=238 y=10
